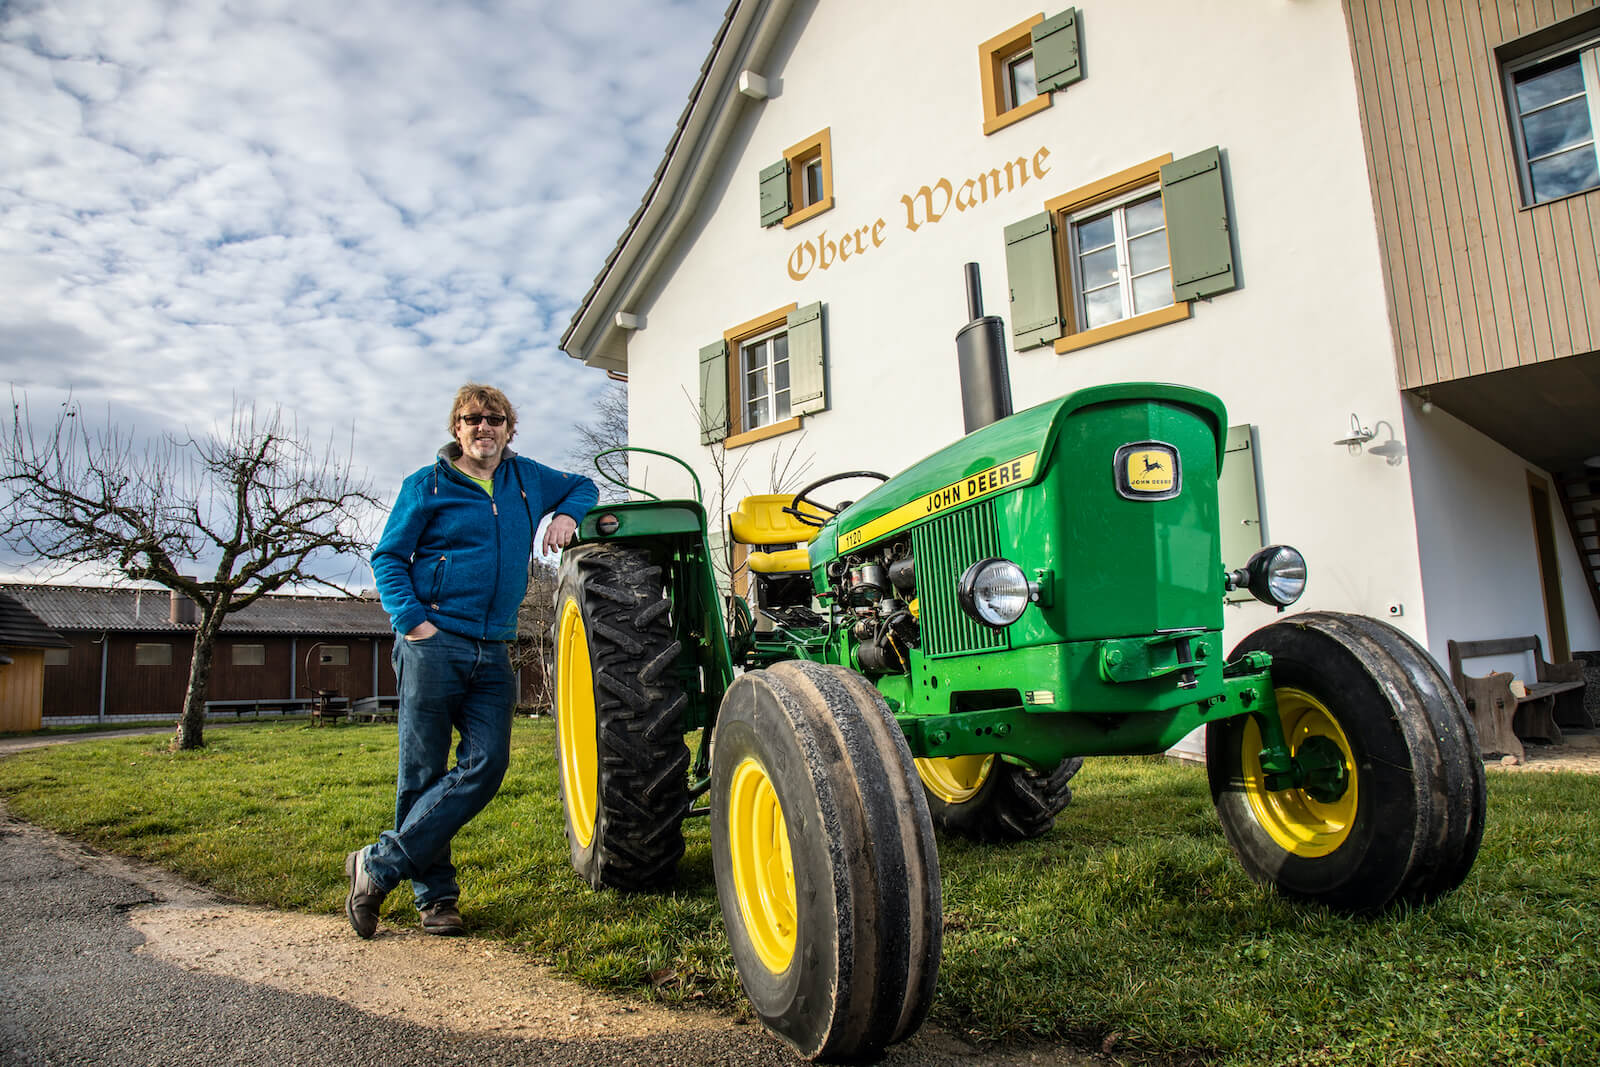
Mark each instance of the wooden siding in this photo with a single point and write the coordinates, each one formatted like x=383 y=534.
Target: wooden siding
x=74 y=688
x=22 y=689
x=1476 y=282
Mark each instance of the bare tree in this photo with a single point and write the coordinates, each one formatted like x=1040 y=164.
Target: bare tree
x=608 y=429
x=256 y=497
x=535 y=641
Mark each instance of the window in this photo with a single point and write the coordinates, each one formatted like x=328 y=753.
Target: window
x=1021 y=67
x=764 y=375
x=1120 y=266
x=334 y=655
x=800 y=185
x=1019 y=82
x=152 y=655
x=1121 y=255
x=57 y=657
x=1554 y=97
x=772 y=369
x=249 y=655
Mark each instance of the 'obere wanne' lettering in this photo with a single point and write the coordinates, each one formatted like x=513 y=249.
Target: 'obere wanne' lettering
x=927 y=205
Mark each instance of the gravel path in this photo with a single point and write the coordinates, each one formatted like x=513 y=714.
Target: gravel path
x=111 y=961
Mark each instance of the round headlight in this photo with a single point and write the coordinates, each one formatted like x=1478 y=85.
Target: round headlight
x=995 y=592
x=1277 y=575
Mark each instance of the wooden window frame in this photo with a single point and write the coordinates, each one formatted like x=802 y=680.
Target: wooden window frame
x=993 y=55
x=733 y=338
x=1062 y=208
x=328 y=650
x=817 y=148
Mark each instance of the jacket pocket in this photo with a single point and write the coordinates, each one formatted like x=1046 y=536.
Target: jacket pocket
x=441 y=568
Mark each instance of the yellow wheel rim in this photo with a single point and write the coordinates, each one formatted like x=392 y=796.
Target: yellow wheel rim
x=1303 y=825
x=762 y=867
x=575 y=725
x=955 y=779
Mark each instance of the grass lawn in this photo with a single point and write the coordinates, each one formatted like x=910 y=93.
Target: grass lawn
x=1130 y=919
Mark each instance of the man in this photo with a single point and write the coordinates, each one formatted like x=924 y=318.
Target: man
x=452 y=569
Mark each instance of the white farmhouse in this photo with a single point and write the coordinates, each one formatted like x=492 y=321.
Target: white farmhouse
x=1369 y=227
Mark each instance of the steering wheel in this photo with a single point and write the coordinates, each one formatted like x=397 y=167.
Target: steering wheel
x=804 y=496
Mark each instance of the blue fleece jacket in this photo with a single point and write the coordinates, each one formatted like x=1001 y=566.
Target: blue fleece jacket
x=453 y=555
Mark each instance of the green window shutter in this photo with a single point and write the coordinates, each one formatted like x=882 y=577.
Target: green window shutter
x=1239 y=502
x=808 y=372
x=713 y=392
x=1057 y=51
x=775 y=193
x=1031 y=270
x=1199 y=234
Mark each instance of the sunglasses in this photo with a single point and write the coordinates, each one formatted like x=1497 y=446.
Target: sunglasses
x=475 y=419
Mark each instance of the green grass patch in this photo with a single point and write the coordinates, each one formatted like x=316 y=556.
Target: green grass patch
x=1130 y=919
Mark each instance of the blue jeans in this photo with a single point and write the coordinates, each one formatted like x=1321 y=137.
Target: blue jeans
x=446 y=682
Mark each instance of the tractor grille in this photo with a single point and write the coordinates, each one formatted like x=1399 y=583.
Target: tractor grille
x=944 y=549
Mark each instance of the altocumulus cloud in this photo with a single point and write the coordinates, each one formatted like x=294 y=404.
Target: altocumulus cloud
x=347 y=209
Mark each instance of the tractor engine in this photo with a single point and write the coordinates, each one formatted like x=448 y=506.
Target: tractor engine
x=877 y=592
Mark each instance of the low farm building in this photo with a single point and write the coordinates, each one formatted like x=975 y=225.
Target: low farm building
x=128 y=652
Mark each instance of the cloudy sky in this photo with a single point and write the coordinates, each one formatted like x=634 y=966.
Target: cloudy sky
x=345 y=209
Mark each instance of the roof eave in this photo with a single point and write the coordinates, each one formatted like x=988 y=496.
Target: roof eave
x=744 y=41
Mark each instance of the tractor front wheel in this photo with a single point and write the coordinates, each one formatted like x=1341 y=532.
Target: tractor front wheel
x=619 y=736
x=1394 y=810
x=987 y=798
x=826 y=867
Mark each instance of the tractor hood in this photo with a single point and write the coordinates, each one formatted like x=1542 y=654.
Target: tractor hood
x=1002 y=456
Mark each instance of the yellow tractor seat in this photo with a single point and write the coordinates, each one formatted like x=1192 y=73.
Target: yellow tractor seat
x=761 y=520
x=762 y=523
x=783 y=561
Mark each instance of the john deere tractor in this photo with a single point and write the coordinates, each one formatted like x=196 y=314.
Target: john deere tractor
x=943 y=652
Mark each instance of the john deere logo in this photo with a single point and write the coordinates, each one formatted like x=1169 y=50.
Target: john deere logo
x=1148 y=470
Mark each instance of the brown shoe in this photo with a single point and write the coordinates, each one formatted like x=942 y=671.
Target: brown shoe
x=365 y=900
x=442 y=918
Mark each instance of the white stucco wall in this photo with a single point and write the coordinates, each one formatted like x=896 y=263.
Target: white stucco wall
x=1480 y=568
x=1300 y=346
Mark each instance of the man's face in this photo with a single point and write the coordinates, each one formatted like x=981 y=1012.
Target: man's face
x=483 y=442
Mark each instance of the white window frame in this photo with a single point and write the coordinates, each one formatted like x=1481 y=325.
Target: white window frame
x=1587 y=49
x=1008 y=82
x=813 y=184
x=763 y=341
x=1117 y=207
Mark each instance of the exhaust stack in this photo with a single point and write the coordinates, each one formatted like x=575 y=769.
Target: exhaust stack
x=981 y=357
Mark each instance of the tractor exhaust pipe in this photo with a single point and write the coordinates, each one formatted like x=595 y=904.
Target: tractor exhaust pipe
x=981 y=356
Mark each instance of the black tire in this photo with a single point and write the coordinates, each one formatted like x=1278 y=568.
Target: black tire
x=986 y=798
x=827 y=871
x=624 y=767
x=1407 y=826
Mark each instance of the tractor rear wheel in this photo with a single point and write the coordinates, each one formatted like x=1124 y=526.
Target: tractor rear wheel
x=827 y=872
x=619 y=736
x=988 y=798
x=1397 y=813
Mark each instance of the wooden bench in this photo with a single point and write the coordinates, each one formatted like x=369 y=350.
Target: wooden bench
x=1503 y=717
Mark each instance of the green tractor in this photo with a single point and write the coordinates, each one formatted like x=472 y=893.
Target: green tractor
x=942 y=653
